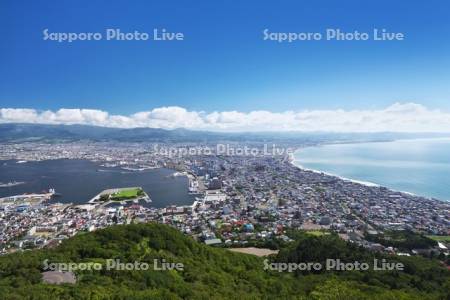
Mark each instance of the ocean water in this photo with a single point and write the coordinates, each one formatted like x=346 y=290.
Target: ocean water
x=420 y=166
x=78 y=181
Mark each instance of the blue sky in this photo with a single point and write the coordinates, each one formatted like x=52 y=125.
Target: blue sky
x=223 y=64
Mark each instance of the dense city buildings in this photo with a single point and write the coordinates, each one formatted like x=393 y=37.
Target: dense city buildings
x=247 y=198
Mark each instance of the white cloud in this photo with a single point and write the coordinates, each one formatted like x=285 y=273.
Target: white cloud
x=399 y=117
x=18 y=115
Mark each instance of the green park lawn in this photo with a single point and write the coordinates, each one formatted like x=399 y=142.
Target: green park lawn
x=127 y=194
x=439 y=238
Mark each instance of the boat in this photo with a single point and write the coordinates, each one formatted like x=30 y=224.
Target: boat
x=11 y=183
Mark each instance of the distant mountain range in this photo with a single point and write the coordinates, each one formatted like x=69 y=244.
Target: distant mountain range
x=18 y=132
x=22 y=132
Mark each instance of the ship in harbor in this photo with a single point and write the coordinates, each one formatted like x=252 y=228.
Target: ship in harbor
x=10 y=184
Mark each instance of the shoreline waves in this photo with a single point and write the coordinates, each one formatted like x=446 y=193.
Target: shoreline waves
x=413 y=167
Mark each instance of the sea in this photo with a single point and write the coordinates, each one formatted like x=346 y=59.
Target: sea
x=78 y=181
x=417 y=166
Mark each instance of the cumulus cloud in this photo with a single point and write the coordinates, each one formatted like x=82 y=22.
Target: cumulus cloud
x=399 y=117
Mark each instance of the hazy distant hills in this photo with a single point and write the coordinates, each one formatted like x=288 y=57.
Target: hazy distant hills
x=14 y=132
x=21 y=132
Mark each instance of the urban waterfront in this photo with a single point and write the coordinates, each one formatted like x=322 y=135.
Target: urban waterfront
x=240 y=200
x=77 y=181
x=420 y=166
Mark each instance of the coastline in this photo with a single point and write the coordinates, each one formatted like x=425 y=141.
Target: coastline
x=293 y=161
x=365 y=183
x=296 y=163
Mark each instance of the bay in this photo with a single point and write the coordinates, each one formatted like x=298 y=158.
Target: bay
x=420 y=166
x=80 y=180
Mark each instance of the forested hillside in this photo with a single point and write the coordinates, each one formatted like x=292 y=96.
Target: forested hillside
x=211 y=273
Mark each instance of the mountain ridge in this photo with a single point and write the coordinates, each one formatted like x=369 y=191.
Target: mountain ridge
x=17 y=132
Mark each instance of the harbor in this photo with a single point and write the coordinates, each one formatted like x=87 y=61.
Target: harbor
x=78 y=181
